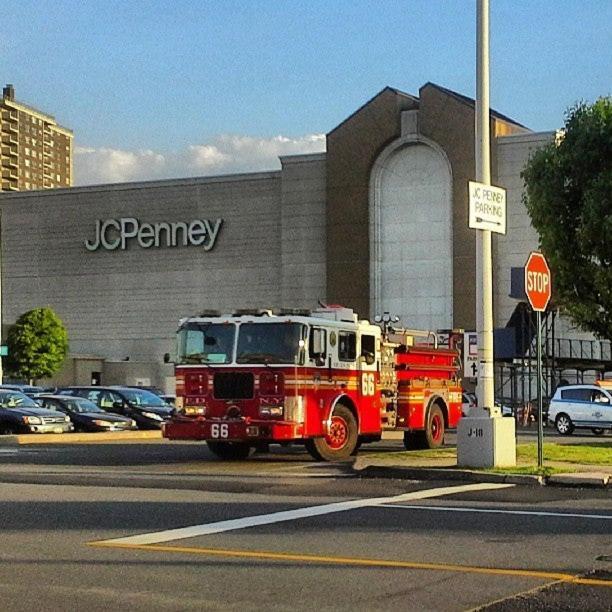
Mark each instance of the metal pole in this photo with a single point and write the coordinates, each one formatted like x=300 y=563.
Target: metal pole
x=539 y=375
x=484 y=275
x=1 y=372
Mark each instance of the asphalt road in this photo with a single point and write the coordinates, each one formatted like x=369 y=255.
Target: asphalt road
x=281 y=532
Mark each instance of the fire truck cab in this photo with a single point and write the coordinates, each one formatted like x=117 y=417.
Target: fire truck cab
x=323 y=378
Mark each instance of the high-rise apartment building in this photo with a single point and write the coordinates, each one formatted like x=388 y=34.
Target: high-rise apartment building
x=36 y=151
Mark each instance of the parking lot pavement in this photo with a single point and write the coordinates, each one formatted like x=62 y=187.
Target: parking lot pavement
x=326 y=543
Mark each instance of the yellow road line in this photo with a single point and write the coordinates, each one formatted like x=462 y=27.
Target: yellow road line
x=254 y=554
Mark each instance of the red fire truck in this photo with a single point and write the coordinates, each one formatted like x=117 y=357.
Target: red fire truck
x=322 y=378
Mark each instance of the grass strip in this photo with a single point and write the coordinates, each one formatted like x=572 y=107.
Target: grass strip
x=596 y=453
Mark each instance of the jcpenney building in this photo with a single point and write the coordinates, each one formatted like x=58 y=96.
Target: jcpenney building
x=377 y=223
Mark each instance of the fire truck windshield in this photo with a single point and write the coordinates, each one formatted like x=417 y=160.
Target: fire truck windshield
x=206 y=342
x=269 y=342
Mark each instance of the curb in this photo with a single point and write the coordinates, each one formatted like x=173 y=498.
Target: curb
x=76 y=438
x=416 y=473
x=578 y=479
x=584 y=479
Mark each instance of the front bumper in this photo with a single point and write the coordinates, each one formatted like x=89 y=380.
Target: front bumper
x=51 y=428
x=231 y=430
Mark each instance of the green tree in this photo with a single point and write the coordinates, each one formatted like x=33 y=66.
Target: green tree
x=569 y=199
x=37 y=345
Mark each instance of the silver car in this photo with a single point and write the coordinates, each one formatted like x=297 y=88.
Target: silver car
x=581 y=406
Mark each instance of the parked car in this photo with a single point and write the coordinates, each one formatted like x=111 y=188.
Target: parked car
x=581 y=406
x=85 y=415
x=469 y=402
x=29 y=390
x=21 y=414
x=147 y=409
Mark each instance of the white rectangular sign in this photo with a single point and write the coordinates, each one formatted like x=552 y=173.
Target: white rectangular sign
x=470 y=355
x=487 y=207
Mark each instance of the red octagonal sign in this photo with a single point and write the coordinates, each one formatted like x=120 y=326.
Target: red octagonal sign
x=538 y=284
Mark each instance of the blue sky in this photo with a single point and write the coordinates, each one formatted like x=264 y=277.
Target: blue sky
x=157 y=86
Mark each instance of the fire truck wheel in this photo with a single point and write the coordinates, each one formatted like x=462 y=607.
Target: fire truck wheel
x=434 y=432
x=231 y=451
x=341 y=440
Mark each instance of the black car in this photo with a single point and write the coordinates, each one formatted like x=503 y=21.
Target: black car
x=147 y=409
x=21 y=414
x=85 y=415
x=29 y=390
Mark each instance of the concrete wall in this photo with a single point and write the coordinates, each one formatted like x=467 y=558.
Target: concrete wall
x=303 y=254
x=512 y=249
x=352 y=148
x=269 y=252
x=126 y=303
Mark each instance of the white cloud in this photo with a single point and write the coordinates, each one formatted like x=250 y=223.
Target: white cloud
x=115 y=166
x=223 y=155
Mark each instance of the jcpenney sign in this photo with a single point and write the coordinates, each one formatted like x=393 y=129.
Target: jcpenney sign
x=120 y=233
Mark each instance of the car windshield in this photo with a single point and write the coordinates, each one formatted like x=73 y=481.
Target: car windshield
x=81 y=405
x=140 y=397
x=15 y=399
x=206 y=342
x=269 y=342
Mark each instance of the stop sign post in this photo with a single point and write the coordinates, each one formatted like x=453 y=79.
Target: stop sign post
x=538 y=287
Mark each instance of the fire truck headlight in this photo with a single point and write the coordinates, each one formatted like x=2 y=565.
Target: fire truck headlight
x=179 y=402
x=271 y=411
x=294 y=408
x=194 y=410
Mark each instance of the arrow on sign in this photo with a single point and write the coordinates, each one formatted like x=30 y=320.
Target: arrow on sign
x=481 y=220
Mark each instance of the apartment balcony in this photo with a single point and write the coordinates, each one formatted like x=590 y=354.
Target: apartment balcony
x=8 y=150
x=9 y=139
x=10 y=162
x=9 y=115
x=10 y=186
x=10 y=128
x=9 y=174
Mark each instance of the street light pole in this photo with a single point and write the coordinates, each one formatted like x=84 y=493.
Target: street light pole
x=484 y=274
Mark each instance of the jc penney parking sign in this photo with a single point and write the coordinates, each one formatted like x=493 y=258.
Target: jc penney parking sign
x=487 y=207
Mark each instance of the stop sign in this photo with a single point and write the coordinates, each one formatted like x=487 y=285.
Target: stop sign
x=538 y=285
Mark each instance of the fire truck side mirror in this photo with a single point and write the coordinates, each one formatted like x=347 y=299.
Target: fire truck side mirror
x=318 y=347
x=166 y=357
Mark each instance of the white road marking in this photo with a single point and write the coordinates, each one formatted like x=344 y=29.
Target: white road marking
x=291 y=515
x=606 y=517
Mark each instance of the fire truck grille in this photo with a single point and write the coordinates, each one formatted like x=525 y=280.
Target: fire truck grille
x=234 y=385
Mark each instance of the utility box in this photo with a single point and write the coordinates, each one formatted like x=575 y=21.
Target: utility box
x=485 y=441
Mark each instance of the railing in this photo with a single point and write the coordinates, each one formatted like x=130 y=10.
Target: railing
x=583 y=350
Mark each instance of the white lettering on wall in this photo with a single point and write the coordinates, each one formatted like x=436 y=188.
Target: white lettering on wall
x=115 y=234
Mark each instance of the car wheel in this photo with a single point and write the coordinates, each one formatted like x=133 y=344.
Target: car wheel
x=564 y=424
x=598 y=431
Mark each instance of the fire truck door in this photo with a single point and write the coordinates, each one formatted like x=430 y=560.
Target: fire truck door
x=318 y=353
x=368 y=365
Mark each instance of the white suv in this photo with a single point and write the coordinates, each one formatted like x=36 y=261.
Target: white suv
x=581 y=406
